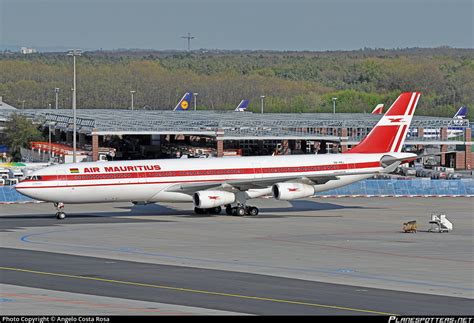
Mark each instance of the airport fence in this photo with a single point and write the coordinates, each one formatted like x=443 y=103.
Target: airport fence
x=8 y=194
x=405 y=187
x=369 y=187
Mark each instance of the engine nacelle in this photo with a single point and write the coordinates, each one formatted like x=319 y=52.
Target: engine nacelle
x=291 y=191
x=209 y=199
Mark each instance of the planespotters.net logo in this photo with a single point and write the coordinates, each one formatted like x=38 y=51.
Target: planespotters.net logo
x=447 y=319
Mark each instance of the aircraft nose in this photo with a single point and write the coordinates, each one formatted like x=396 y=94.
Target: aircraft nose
x=20 y=187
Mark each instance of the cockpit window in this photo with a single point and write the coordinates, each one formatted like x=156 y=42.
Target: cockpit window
x=33 y=178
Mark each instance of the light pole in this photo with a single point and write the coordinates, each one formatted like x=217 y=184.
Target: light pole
x=131 y=92
x=262 y=97
x=195 y=95
x=22 y=103
x=56 y=93
x=334 y=105
x=74 y=53
x=49 y=128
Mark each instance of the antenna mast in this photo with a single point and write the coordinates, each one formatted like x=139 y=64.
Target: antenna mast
x=188 y=37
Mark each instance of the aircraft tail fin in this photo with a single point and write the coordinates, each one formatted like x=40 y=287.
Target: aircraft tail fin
x=184 y=103
x=378 y=109
x=389 y=133
x=243 y=105
x=461 y=113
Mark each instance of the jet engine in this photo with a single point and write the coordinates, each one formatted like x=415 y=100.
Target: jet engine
x=210 y=199
x=291 y=191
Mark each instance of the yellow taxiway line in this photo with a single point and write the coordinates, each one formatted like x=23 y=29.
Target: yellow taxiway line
x=197 y=291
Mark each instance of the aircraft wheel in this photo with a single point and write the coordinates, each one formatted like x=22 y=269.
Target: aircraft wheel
x=239 y=211
x=60 y=215
x=253 y=211
x=217 y=210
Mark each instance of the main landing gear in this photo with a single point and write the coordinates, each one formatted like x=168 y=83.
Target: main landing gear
x=60 y=215
x=241 y=210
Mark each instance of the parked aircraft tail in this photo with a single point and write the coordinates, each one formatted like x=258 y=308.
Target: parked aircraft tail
x=461 y=114
x=243 y=105
x=378 y=109
x=390 y=132
x=184 y=103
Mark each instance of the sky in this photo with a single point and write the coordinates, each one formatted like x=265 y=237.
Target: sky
x=317 y=25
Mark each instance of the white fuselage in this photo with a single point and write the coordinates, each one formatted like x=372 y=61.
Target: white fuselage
x=151 y=180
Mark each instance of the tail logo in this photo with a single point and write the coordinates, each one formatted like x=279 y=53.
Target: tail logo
x=184 y=105
x=393 y=120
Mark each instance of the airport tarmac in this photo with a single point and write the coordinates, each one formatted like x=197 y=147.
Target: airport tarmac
x=311 y=256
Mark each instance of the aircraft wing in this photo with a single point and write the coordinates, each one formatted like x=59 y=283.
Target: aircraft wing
x=258 y=183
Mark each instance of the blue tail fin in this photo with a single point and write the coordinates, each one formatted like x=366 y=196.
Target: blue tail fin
x=184 y=103
x=461 y=114
x=243 y=105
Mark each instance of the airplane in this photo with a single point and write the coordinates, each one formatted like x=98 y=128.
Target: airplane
x=453 y=132
x=227 y=182
x=378 y=109
x=242 y=107
x=184 y=103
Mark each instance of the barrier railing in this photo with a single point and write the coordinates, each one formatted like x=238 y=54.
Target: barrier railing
x=405 y=187
x=8 y=194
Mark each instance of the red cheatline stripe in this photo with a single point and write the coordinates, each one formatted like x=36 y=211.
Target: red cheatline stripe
x=205 y=172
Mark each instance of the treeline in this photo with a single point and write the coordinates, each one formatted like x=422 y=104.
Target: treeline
x=290 y=81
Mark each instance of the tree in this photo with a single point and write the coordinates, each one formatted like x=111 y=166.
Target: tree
x=19 y=133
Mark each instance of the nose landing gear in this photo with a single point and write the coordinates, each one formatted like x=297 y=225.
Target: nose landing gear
x=60 y=215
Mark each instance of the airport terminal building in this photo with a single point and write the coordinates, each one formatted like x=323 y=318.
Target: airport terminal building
x=138 y=134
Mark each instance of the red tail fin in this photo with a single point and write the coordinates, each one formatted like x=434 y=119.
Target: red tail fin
x=389 y=133
x=378 y=109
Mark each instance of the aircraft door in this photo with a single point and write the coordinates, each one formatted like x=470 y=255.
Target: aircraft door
x=351 y=167
x=142 y=177
x=257 y=168
x=62 y=178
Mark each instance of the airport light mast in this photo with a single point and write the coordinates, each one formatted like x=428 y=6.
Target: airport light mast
x=334 y=105
x=131 y=92
x=195 y=95
x=188 y=37
x=262 y=97
x=56 y=93
x=74 y=53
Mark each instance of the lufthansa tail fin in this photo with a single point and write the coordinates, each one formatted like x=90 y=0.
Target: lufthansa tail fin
x=243 y=105
x=184 y=103
x=461 y=114
x=389 y=133
x=378 y=109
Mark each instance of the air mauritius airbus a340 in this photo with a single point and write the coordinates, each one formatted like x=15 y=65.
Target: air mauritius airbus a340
x=214 y=183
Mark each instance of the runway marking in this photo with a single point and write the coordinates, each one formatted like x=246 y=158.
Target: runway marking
x=88 y=304
x=197 y=291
